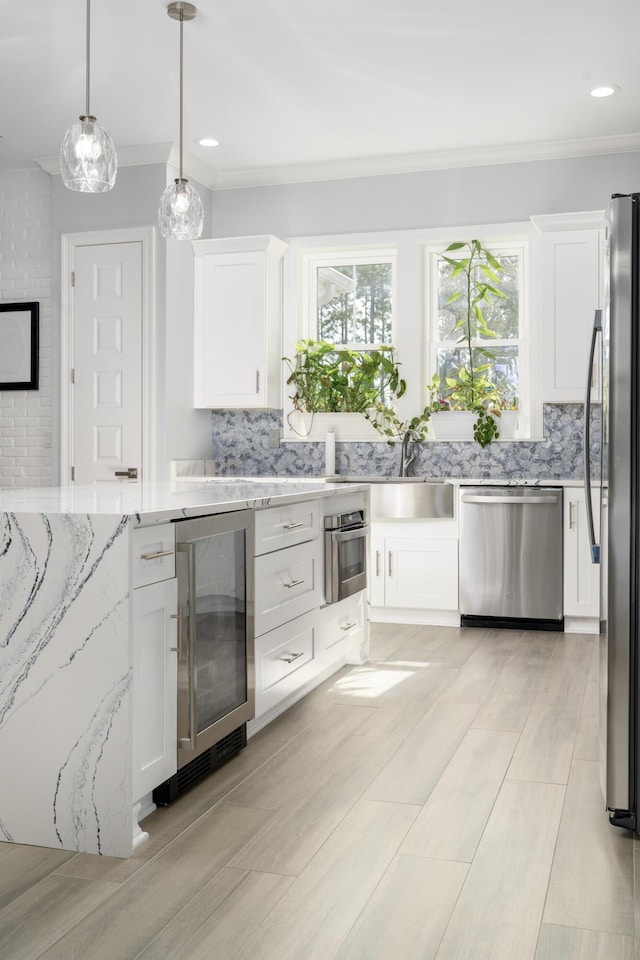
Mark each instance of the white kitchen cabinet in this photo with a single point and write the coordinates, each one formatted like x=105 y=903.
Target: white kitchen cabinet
x=414 y=567
x=288 y=583
x=155 y=685
x=571 y=250
x=581 y=576
x=238 y=322
x=285 y=660
x=344 y=632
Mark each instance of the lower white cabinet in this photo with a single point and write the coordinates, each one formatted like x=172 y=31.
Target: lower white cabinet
x=581 y=576
x=418 y=570
x=285 y=659
x=344 y=634
x=155 y=685
x=287 y=583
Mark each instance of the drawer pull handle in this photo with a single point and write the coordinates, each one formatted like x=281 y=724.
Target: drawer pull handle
x=290 y=657
x=156 y=555
x=348 y=626
x=294 y=583
x=293 y=526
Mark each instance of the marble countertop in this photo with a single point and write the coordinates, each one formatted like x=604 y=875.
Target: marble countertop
x=156 y=502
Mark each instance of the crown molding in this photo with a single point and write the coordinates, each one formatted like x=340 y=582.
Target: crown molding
x=197 y=169
x=127 y=157
x=422 y=162
x=166 y=153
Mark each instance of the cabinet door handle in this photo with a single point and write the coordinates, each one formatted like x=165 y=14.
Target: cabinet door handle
x=257 y=381
x=156 y=555
x=176 y=616
x=294 y=583
x=292 y=526
x=348 y=626
x=571 y=514
x=290 y=657
x=377 y=563
x=390 y=568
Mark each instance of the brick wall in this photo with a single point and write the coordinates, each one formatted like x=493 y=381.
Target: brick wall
x=25 y=274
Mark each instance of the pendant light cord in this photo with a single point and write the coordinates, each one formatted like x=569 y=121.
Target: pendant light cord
x=88 y=112
x=181 y=84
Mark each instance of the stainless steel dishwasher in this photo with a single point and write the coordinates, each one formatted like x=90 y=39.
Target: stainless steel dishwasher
x=511 y=557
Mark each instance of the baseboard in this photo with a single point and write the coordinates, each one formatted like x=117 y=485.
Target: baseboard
x=582 y=625
x=435 y=618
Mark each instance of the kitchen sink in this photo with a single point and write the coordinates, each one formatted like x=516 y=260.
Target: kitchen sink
x=407 y=498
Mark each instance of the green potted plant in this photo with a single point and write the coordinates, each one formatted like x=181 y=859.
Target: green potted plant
x=329 y=379
x=470 y=386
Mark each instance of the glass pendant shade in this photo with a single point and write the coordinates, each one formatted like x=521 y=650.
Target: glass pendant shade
x=180 y=214
x=88 y=160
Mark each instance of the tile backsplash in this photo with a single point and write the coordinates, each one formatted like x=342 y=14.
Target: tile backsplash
x=240 y=446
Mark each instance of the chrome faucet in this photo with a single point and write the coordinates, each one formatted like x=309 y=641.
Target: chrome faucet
x=409 y=452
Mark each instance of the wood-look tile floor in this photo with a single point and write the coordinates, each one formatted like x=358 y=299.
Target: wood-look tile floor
x=439 y=803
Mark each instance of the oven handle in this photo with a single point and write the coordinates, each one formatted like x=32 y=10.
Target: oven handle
x=190 y=550
x=340 y=536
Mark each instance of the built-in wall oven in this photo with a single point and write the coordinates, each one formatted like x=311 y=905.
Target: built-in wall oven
x=216 y=675
x=345 y=555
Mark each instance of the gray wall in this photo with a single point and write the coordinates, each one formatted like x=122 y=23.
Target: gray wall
x=501 y=193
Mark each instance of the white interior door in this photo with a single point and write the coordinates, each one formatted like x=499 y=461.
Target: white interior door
x=107 y=361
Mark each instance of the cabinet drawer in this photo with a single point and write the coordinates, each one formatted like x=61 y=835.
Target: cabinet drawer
x=339 y=625
x=278 y=527
x=285 y=661
x=285 y=650
x=154 y=556
x=288 y=583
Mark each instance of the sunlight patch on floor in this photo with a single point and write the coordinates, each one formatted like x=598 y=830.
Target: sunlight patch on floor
x=375 y=682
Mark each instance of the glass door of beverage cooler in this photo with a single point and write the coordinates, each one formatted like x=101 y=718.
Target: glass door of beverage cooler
x=215 y=636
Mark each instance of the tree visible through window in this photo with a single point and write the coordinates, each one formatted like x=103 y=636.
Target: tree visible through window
x=355 y=303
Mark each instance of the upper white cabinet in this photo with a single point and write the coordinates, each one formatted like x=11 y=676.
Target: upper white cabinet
x=238 y=322
x=571 y=286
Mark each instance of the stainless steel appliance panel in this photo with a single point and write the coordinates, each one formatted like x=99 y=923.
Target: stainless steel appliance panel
x=619 y=630
x=511 y=552
x=345 y=555
x=216 y=666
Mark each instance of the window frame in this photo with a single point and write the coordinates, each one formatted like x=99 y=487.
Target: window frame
x=411 y=318
x=303 y=285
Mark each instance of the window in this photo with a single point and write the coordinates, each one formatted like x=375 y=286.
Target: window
x=354 y=302
x=497 y=330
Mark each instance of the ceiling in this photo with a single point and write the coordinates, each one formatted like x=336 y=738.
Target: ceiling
x=303 y=90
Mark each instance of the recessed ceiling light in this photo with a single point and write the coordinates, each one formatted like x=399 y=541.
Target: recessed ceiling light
x=207 y=142
x=604 y=91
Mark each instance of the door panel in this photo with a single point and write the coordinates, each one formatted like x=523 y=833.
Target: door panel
x=107 y=359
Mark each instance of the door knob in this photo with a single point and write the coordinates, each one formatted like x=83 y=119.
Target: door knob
x=131 y=473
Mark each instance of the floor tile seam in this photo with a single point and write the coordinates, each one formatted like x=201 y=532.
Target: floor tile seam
x=81 y=919
x=379 y=881
x=549 y=783
x=553 y=860
x=194 y=930
x=505 y=780
x=217 y=803
x=495 y=800
x=61 y=876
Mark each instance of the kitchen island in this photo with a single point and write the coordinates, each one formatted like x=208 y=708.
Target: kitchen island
x=66 y=664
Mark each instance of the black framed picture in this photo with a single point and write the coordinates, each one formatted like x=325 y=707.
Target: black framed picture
x=19 y=327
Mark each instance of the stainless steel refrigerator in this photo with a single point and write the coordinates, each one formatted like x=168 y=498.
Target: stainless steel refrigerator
x=616 y=346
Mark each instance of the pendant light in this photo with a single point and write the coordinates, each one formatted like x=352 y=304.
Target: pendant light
x=88 y=160
x=181 y=214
